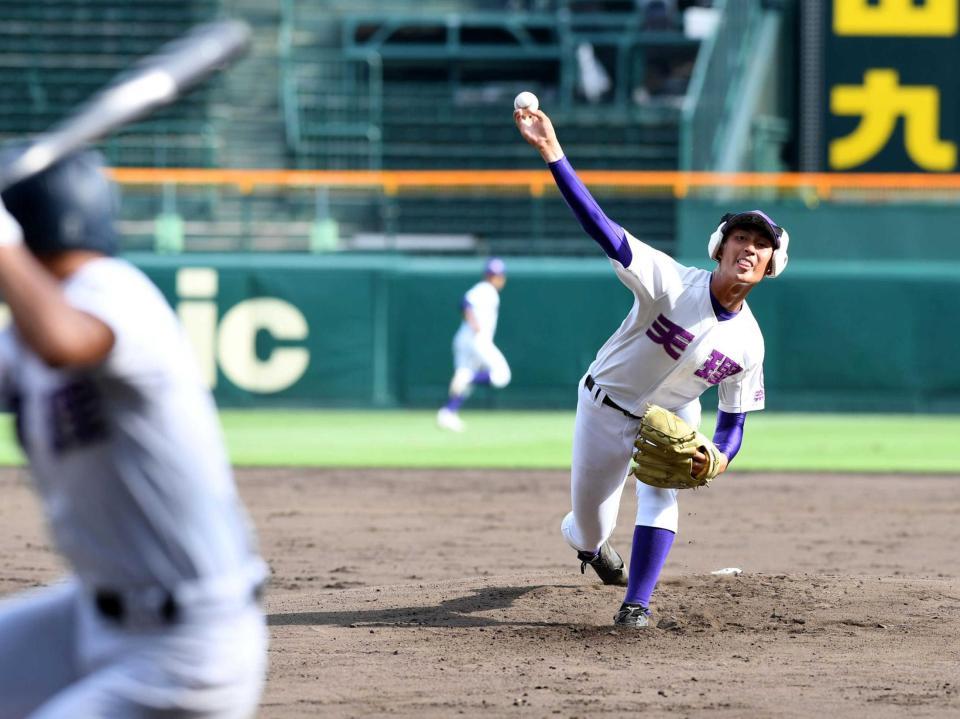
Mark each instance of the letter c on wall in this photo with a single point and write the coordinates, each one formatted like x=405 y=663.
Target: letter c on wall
x=236 y=346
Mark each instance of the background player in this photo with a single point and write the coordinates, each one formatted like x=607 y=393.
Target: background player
x=688 y=330
x=160 y=615
x=476 y=359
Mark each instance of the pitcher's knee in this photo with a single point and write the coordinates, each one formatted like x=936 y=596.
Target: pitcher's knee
x=583 y=539
x=569 y=531
x=657 y=507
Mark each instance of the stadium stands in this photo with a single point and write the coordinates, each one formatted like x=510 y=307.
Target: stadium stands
x=432 y=88
x=56 y=53
x=511 y=225
x=357 y=84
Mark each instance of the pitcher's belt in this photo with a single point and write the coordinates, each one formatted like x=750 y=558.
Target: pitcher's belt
x=590 y=384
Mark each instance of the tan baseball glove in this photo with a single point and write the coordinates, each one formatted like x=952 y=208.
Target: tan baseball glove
x=665 y=447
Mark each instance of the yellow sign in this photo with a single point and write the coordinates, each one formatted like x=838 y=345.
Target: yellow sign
x=901 y=18
x=880 y=102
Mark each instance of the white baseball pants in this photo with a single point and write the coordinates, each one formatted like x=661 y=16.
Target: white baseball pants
x=602 y=447
x=60 y=659
x=476 y=353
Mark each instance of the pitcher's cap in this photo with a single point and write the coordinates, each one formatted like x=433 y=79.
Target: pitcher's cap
x=754 y=218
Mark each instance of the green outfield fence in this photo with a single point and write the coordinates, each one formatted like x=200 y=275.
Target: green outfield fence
x=375 y=331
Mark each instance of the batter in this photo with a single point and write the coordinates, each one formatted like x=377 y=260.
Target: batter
x=688 y=330
x=159 y=616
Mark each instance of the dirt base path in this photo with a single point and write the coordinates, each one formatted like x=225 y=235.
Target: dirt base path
x=437 y=594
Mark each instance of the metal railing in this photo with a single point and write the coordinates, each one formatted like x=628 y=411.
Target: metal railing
x=712 y=95
x=329 y=101
x=677 y=184
x=463 y=211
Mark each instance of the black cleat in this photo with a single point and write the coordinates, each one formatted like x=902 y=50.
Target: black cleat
x=606 y=563
x=632 y=615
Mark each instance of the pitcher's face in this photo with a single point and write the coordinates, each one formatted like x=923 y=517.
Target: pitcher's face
x=745 y=255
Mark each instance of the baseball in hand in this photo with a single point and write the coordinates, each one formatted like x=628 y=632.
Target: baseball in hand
x=526 y=101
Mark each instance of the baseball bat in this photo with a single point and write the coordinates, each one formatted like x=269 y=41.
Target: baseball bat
x=151 y=83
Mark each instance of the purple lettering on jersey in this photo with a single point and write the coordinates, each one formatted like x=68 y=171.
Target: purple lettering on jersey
x=14 y=403
x=673 y=337
x=717 y=367
x=76 y=416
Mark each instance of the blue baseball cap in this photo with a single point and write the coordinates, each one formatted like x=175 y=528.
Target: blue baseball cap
x=495 y=266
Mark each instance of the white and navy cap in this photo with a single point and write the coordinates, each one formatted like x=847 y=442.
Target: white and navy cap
x=753 y=218
x=760 y=220
x=495 y=266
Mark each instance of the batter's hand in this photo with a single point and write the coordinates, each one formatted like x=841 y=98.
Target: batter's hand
x=536 y=128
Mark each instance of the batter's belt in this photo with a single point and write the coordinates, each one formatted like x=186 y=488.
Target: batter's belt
x=590 y=385
x=200 y=598
x=165 y=609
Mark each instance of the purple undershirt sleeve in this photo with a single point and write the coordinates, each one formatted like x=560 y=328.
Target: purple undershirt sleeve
x=729 y=432
x=607 y=233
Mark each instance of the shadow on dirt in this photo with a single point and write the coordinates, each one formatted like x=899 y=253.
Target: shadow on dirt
x=453 y=612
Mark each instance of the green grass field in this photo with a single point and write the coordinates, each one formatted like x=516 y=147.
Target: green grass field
x=541 y=440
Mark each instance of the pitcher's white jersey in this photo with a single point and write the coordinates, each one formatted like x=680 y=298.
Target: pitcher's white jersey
x=127 y=455
x=671 y=347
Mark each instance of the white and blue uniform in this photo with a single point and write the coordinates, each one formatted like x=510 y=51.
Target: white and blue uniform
x=476 y=359
x=159 y=616
x=475 y=351
x=669 y=350
x=677 y=342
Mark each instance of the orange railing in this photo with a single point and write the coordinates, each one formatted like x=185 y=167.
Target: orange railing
x=535 y=181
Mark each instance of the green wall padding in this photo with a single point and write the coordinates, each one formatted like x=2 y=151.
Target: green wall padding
x=840 y=335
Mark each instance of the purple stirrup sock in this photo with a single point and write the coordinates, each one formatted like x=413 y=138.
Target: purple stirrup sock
x=453 y=404
x=481 y=377
x=651 y=545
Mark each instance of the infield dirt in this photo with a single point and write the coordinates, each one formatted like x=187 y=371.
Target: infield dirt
x=446 y=593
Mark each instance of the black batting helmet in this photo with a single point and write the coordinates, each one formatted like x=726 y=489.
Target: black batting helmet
x=69 y=206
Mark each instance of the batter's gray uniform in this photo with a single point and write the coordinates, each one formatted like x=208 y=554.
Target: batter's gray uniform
x=159 y=616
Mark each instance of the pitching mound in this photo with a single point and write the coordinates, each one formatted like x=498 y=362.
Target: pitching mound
x=442 y=593
x=762 y=645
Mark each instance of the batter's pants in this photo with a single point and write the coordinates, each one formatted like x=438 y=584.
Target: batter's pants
x=60 y=659
x=602 y=447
